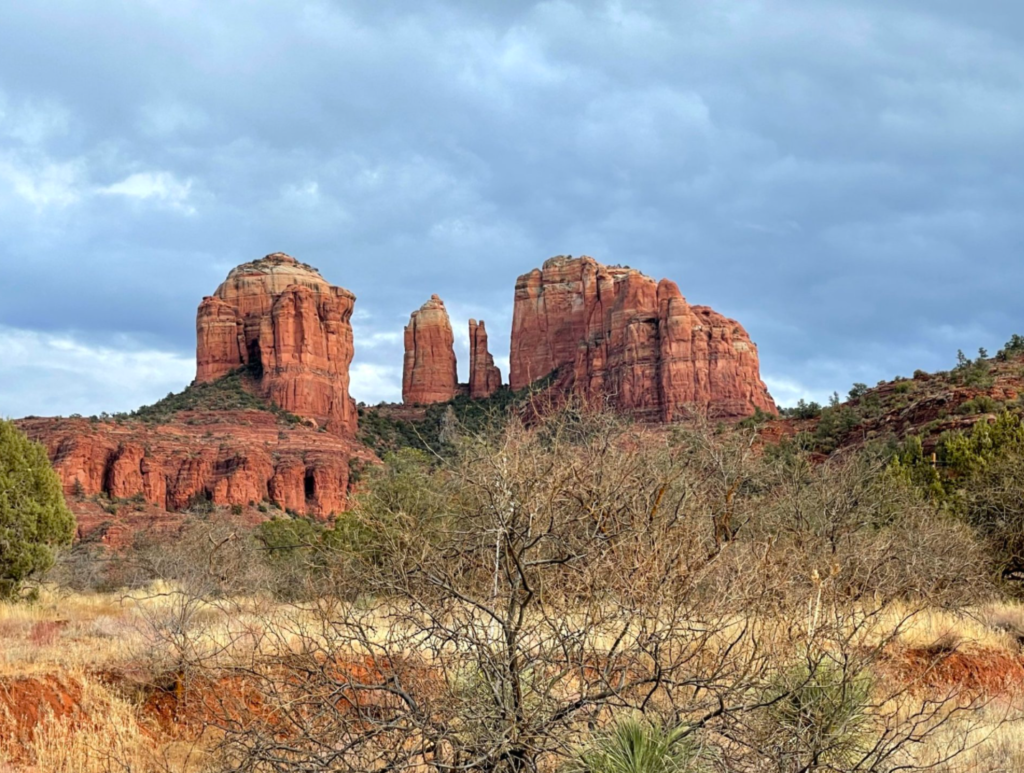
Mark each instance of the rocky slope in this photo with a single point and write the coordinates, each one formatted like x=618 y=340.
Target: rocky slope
x=926 y=406
x=617 y=337
x=429 y=373
x=283 y=322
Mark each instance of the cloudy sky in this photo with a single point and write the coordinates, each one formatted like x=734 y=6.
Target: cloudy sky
x=844 y=177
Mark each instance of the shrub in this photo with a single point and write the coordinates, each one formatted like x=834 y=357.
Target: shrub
x=1013 y=348
x=980 y=404
x=34 y=519
x=817 y=715
x=858 y=390
x=634 y=746
x=758 y=418
x=540 y=580
x=803 y=410
x=233 y=392
x=969 y=372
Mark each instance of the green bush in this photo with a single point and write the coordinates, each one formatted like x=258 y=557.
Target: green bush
x=817 y=715
x=385 y=433
x=758 y=418
x=1013 y=348
x=857 y=391
x=803 y=410
x=976 y=373
x=980 y=404
x=635 y=746
x=233 y=392
x=34 y=519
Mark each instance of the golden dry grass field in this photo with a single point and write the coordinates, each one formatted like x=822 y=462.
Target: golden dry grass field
x=87 y=682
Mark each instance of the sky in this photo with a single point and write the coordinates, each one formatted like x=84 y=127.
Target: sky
x=845 y=178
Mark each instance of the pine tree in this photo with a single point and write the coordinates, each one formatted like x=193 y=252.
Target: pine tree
x=34 y=519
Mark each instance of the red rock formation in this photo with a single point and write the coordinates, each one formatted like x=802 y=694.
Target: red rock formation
x=484 y=376
x=283 y=321
x=430 y=373
x=225 y=457
x=290 y=329
x=617 y=336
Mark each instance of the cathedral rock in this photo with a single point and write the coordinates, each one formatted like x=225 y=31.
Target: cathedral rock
x=430 y=373
x=291 y=329
x=273 y=342
x=616 y=336
x=484 y=376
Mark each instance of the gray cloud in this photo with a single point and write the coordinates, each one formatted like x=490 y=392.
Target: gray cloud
x=842 y=177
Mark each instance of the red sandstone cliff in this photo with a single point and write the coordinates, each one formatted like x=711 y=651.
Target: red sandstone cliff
x=484 y=376
x=617 y=336
x=430 y=373
x=226 y=458
x=283 y=321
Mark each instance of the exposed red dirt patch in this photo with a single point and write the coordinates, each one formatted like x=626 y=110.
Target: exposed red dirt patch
x=973 y=671
x=25 y=701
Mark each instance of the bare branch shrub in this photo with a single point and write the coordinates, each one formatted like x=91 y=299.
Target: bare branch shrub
x=492 y=610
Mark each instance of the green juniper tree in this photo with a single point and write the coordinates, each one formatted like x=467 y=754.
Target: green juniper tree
x=34 y=519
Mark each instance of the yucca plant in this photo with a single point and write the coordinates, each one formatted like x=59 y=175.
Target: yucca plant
x=636 y=746
x=818 y=717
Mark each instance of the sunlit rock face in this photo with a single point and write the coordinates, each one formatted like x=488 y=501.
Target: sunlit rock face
x=484 y=376
x=430 y=372
x=291 y=328
x=618 y=337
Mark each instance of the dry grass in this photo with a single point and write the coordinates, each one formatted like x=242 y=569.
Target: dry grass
x=103 y=733
x=77 y=636
x=991 y=627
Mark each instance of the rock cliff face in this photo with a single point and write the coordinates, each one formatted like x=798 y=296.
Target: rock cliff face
x=484 y=376
x=430 y=372
x=616 y=336
x=280 y=319
x=241 y=458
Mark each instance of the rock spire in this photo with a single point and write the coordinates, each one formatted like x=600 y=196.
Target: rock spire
x=430 y=372
x=484 y=376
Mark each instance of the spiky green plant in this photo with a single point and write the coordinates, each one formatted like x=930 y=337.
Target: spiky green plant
x=636 y=746
x=818 y=716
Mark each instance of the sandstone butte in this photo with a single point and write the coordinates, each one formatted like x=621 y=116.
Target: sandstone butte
x=429 y=373
x=484 y=376
x=289 y=329
x=283 y=322
x=614 y=335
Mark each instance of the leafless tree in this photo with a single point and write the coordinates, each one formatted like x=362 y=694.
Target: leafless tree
x=502 y=604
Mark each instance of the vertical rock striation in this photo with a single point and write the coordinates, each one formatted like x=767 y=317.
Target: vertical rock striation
x=616 y=336
x=430 y=372
x=283 y=321
x=241 y=458
x=484 y=376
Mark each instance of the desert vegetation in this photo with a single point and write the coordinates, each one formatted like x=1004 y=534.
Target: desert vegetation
x=567 y=591
x=34 y=519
